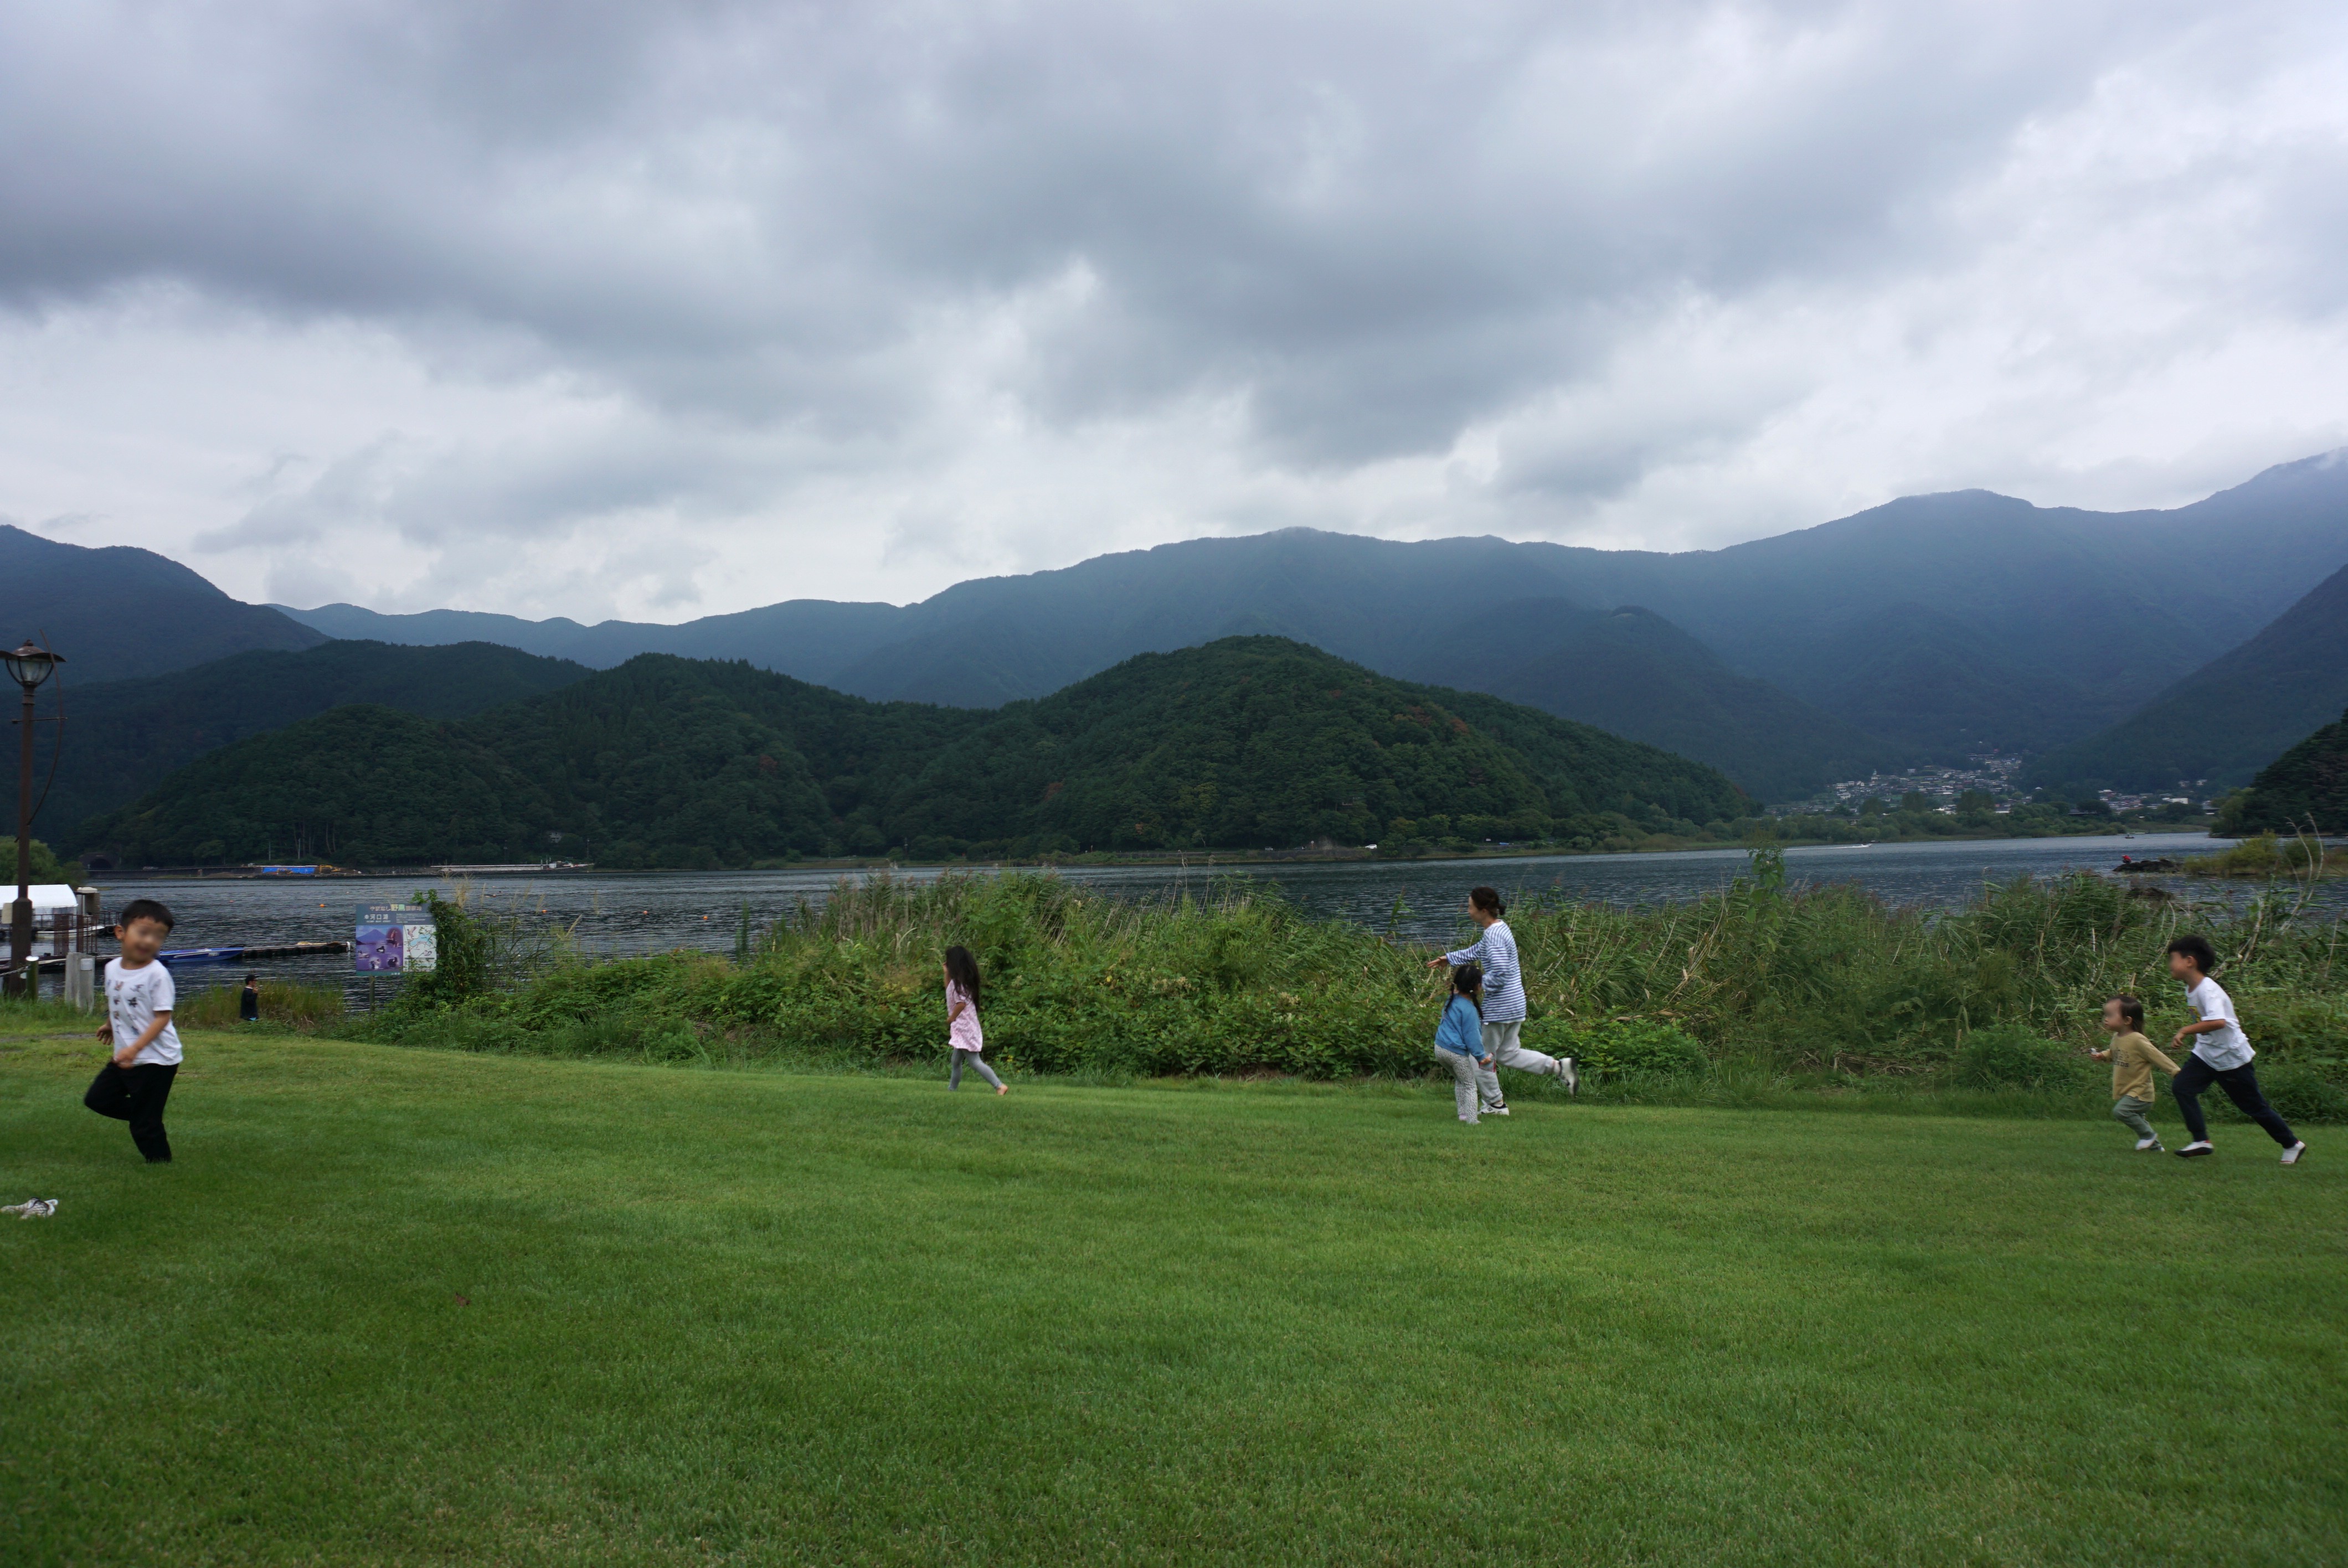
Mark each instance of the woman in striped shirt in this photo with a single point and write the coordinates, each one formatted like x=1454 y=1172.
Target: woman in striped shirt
x=1504 y=992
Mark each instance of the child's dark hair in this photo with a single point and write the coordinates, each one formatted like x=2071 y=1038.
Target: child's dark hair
x=144 y=909
x=252 y=980
x=963 y=970
x=1488 y=898
x=1467 y=979
x=2132 y=1011
x=2197 y=949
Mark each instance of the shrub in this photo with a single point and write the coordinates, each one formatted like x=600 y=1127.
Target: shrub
x=2010 y=1056
x=1619 y=1048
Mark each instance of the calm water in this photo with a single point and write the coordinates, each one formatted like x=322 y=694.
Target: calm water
x=628 y=912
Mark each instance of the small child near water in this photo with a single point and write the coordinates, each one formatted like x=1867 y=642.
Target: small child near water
x=2133 y=1058
x=1459 y=1046
x=962 y=1033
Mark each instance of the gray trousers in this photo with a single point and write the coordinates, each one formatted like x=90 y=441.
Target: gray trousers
x=1475 y=1088
x=2129 y=1110
x=1500 y=1045
x=977 y=1066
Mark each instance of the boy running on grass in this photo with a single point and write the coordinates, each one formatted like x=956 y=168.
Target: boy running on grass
x=2221 y=1055
x=2133 y=1058
x=134 y=1085
x=1504 y=994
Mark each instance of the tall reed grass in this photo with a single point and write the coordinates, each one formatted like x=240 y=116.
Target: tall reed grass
x=1827 y=983
x=282 y=1002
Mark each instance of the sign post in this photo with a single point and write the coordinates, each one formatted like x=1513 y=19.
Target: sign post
x=394 y=939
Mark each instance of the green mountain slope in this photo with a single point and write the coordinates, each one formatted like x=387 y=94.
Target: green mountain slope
x=2308 y=784
x=360 y=785
x=123 y=738
x=118 y=612
x=1246 y=743
x=1630 y=671
x=2228 y=719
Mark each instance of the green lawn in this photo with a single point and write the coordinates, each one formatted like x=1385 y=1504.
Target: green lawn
x=413 y=1307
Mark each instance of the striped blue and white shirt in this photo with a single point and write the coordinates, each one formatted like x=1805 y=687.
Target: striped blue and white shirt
x=1504 y=989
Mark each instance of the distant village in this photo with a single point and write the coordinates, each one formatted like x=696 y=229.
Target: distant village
x=1988 y=774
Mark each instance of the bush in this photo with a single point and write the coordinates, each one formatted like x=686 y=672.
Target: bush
x=2013 y=1057
x=2304 y=1090
x=1620 y=1047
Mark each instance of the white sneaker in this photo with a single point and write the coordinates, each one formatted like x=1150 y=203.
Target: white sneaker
x=2196 y=1150
x=2290 y=1155
x=2152 y=1144
x=1568 y=1076
x=1495 y=1111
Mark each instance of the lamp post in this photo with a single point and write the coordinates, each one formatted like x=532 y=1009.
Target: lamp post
x=28 y=666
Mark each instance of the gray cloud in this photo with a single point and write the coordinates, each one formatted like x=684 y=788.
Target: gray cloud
x=968 y=286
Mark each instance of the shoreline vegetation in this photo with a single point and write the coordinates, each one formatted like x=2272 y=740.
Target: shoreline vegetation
x=2264 y=857
x=1762 y=994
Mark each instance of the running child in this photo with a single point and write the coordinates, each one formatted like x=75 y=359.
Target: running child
x=134 y=1085
x=961 y=1020
x=2133 y=1058
x=1459 y=1046
x=1504 y=993
x=2221 y=1055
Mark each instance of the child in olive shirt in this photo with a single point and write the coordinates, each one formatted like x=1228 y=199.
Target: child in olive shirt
x=2133 y=1058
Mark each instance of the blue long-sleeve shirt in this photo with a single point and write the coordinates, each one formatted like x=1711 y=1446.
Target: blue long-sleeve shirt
x=1504 y=989
x=1462 y=1028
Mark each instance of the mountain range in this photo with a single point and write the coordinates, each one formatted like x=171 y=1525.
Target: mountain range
x=1245 y=743
x=1933 y=627
x=1927 y=630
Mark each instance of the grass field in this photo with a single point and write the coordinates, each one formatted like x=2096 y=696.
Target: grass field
x=399 y=1306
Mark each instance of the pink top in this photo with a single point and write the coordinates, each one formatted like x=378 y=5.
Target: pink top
x=963 y=1032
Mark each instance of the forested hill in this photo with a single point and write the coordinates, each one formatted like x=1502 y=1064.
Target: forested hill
x=2304 y=788
x=1244 y=743
x=122 y=738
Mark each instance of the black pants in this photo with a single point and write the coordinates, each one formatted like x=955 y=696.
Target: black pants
x=2242 y=1086
x=136 y=1095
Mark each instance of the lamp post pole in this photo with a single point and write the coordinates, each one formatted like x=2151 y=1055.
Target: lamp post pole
x=28 y=666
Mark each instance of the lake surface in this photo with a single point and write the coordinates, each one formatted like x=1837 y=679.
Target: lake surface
x=633 y=912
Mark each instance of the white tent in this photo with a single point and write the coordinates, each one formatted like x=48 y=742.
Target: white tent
x=49 y=899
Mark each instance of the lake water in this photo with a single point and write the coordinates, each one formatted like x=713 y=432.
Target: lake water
x=630 y=912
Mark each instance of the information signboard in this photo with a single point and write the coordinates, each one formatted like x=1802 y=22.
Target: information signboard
x=395 y=938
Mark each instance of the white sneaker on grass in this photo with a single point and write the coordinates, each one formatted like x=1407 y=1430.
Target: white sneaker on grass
x=1495 y=1111
x=2290 y=1155
x=1568 y=1076
x=2151 y=1144
x=2196 y=1148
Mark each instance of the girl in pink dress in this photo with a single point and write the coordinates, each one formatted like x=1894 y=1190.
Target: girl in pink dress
x=961 y=1020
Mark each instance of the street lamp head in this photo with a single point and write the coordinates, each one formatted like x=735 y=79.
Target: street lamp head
x=29 y=666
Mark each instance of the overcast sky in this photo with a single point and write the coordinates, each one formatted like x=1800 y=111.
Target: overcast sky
x=662 y=309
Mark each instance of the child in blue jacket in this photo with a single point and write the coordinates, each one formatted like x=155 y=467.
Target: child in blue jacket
x=1459 y=1046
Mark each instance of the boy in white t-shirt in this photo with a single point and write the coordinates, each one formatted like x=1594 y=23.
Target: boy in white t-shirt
x=134 y=1085
x=2221 y=1055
